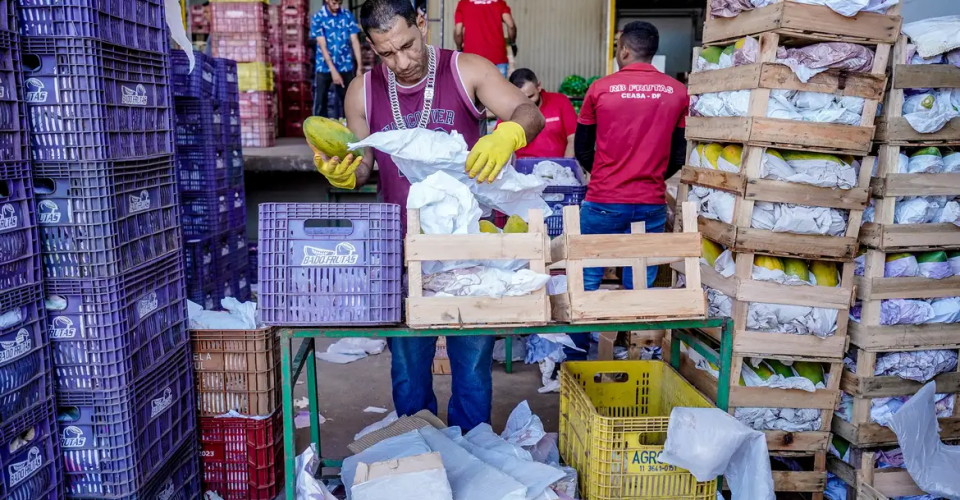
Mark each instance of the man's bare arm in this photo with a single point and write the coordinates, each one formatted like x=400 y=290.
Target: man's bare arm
x=570 y=149
x=458 y=36
x=357 y=123
x=485 y=84
x=511 y=28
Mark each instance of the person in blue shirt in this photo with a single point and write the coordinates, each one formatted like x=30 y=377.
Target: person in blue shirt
x=338 y=52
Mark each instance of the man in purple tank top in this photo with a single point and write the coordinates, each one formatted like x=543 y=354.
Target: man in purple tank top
x=417 y=85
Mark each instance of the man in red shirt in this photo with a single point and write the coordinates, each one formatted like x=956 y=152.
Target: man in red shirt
x=479 y=30
x=630 y=137
x=556 y=138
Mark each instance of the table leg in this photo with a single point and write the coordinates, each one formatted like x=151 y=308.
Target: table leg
x=509 y=352
x=725 y=364
x=289 y=427
x=313 y=395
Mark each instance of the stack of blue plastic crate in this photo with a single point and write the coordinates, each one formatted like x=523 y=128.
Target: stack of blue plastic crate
x=210 y=165
x=97 y=78
x=30 y=464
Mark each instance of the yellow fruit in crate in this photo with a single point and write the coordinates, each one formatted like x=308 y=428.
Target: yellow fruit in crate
x=763 y=371
x=768 y=262
x=897 y=256
x=825 y=272
x=696 y=158
x=488 y=227
x=711 y=54
x=804 y=155
x=740 y=43
x=810 y=371
x=733 y=154
x=774 y=152
x=710 y=251
x=515 y=224
x=711 y=153
x=328 y=137
x=796 y=267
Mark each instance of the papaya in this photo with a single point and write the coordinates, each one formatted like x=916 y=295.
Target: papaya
x=488 y=227
x=711 y=54
x=328 y=137
x=810 y=371
x=841 y=445
x=826 y=273
x=733 y=154
x=779 y=368
x=516 y=224
x=928 y=257
x=763 y=371
x=931 y=151
x=711 y=152
x=803 y=155
x=897 y=256
x=728 y=50
x=710 y=251
x=796 y=267
x=767 y=262
x=774 y=152
x=953 y=254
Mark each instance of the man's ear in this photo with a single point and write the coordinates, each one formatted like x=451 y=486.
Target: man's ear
x=422 y=25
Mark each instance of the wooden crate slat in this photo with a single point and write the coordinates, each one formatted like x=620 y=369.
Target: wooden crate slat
x=714 y=179
x=777 y=76
x=782 y=134
x=788 y=192
x=916 y=185
x=423 y=247
x=910 y=237
x=763 y=397
x=765 y=344
x=622 y=246
x=907 y=288
x=925 y=76
x=875 y=435
x=892 y=386
x=477 y=311
x=799 y=481
x=896 y=130
x=883 y=484
x=904 y=337
x=800 y=295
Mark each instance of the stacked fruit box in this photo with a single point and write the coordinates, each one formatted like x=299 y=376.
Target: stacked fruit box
x=210 y=166
x=908 y=280
x=200 y=19
x=779 y=169
x=30 y=463
x=297 y=67
x=239 y=32
x=238 y=372
x=110 y=238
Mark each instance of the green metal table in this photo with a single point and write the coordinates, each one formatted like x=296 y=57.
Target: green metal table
x=293 y=364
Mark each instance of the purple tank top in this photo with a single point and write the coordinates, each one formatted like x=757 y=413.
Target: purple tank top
x=452 y=110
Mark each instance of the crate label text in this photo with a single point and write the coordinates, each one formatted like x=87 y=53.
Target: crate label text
x=22 y=470
x=345 y=254
x=62 y=328
x=134 y=97
x=35 y=91
x=13 y=349
x=159 y=405
x=49 y=212
x=73 y=438
x=8 y=217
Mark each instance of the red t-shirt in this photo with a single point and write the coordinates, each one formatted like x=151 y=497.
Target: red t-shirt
x=561 y=119
x=636 y=111
x=483 y=28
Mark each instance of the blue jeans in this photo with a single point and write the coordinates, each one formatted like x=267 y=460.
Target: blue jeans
x=471 y=359
x=504 y=68
x=613 y=218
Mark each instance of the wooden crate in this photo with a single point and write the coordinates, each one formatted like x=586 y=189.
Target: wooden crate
x=749 y=188
x=892 y=127
x=886 y=187
x=475 y=312
x=808 y=21
x=743 y=290
x=867 y=482
x=780 y=443
x=574 y=251
x=762 y=77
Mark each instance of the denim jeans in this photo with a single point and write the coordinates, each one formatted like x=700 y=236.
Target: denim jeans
x=471 y=359
x=504 y=68
x=613 y=218
x=321 y=87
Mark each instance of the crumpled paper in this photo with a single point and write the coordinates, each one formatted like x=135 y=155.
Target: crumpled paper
x=933 y=465
x=928 y=120
x=925 y=210
x=419 y=153
x=783 y=419
x=352 y=349
x=935 y=35
x=849 y=8
x=807 y=62
x=555 y=174
x=776 y=217
x=235 y=316
x=784 y=104
x=796 y=320
x=482 y=281
x=814 y=172
x=523 y=428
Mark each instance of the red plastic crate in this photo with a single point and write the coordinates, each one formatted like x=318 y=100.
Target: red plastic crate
x=293 y=3
x=296 y=52
x=294 y=14
x=296 y=91
x=239 y=17
x=258 y=133
x=294 y=33
x=245 y=47
x=242 y=458
x=257 y=105
x=297 y=110
x=296 y=72
x=292 y=129
x=273 y=15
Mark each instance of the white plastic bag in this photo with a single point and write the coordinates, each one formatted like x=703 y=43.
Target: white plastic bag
x=709 y=442
x=926 y=117
x=933 y=465
x=419 y=153
x=523 y=428
x=308 y=487
x=935 y=35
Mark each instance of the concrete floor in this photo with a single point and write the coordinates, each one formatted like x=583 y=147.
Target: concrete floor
x=345 y=390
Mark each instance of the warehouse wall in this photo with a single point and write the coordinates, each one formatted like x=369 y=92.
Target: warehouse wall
x=915 y=10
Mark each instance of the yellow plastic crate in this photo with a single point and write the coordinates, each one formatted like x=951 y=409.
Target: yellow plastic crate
x=255 y=77
x=613 y=423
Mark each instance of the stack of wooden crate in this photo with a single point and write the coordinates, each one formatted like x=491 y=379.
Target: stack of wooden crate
x=871 y=339
x=791 y=24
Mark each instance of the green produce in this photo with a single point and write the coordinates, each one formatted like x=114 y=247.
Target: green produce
x=515 y=224
x=796 y=267
x=779 y=368
x=841 y=445
x=928 y=257
x=825 y=272
x=931 y=151
x=733 y=153
x=897 y=256
x=802 y=155
x=488 y=227
x=711 y=54
x=767 y=262
x=729 y=49
x=763 y=371
x=328 y=137
x=810 y=371
x=574 y=86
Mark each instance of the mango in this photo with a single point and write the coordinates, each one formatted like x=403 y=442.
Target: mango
x=796 y=267
x=931 y=151
x=710 y=251
x=825 y=272
x=515 y=224
x=779 y=368
x=810 y=371
x=711 y=54
x=488 y=227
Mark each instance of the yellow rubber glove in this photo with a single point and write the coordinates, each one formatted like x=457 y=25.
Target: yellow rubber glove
x=341 y=174
x=493 y=151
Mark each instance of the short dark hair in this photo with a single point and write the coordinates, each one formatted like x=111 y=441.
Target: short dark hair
x=521 y=76
x=642 y=38
x=381 y=15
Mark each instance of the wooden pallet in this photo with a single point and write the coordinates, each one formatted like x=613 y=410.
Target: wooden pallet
x=866 y=482
x=764 y=76
x=475 y=312
x=892 y=127
x=886 y=187
x=574 y=251
x=811 y=22
x=748 y=188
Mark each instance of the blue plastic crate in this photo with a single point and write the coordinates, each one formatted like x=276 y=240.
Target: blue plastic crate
x=230 y=123
x=30 y=466
x=234 y=161
x=180 y=478
x=116 y=442
x=557 y=196
x=100 y=219
x=19 y=244
x=199 y=123
x=91 y=101
x=138 y=24
x=202 y=169
x=209 y=214
x=25 y=368
x=226 y=80
x=196 y=84
x=13 y=114
x=9 y=16
x=330 y=264
x=105 y=333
